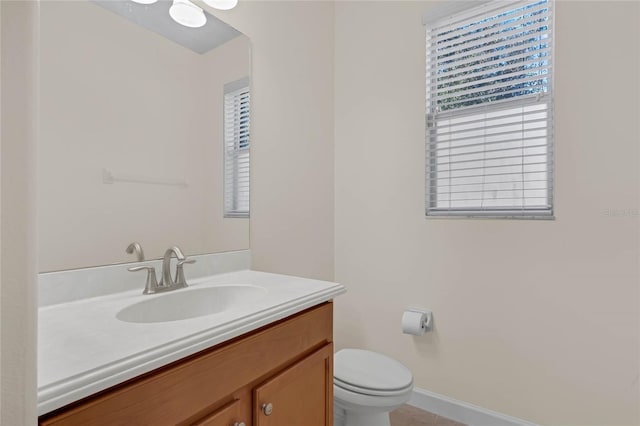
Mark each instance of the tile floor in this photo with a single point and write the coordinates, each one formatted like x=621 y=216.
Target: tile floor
x=411 y=416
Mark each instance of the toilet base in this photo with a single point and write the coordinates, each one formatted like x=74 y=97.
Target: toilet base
x=338 y=416
x=341 y=417
x=362 y=419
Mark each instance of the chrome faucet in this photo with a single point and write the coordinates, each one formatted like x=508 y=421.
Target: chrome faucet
x=166 y=265
x=136 y=248
x=167 y=282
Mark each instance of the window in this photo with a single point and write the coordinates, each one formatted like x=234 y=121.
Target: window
x=490 y=112
x=236 y=148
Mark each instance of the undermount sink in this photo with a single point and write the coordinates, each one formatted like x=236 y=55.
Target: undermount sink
x=190 y=303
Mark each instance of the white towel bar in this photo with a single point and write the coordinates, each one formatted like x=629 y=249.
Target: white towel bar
x=109 y=177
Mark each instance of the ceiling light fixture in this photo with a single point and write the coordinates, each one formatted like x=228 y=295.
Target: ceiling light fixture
x=222 y=4
x=188 y=14
x=144 y=1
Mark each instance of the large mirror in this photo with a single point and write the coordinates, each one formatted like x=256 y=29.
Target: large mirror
x=138 y=115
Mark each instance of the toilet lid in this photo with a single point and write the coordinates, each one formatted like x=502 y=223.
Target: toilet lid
x=370 y=371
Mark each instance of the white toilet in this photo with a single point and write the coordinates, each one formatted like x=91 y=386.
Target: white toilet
x=367 y=386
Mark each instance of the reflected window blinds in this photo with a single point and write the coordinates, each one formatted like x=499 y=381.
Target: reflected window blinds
x=236 y=150
x=490 y=112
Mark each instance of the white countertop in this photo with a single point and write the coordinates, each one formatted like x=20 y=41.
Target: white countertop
x=83 y=348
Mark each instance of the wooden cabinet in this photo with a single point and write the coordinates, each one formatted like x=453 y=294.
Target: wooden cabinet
x=300 y=395
x=227 y=415
x=288 y=365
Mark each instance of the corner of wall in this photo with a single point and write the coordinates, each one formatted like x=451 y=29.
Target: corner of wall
x=18 y=125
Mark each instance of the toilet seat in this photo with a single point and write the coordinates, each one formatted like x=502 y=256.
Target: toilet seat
x=373 y=392
x=370 y=373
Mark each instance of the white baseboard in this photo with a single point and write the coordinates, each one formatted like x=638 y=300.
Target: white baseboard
x=461 y=411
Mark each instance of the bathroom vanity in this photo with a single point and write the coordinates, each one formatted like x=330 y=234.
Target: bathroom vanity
x=260 y=360
x=277 y=375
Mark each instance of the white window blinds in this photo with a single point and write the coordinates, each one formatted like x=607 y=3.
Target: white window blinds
x=236 y=149
x=490 y=112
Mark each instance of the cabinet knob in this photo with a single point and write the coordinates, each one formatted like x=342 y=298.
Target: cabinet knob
x=239 y=424
x=267 y=409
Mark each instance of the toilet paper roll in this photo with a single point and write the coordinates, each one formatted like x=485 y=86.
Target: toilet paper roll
x=414 y=322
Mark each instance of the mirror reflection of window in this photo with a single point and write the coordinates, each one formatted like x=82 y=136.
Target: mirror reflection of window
x=236 y=148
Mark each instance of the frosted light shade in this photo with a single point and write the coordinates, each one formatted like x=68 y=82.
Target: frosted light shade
x=144 y=1
x=222 y=4
x=188 y=14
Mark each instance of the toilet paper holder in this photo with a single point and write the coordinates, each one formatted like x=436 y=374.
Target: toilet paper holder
x=423 y=316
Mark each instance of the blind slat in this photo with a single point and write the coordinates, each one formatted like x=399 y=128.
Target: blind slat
x=508 y=78
x=507 y=48
x=492 y=32
x=483 y=182
x=465 y=19
x=476 y=72
x=490 y=151
x=487 y=123
x=487 y=94
x=448 y=143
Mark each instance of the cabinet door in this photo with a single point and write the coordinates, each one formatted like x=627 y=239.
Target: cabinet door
x=227 y=415
x=301 y=395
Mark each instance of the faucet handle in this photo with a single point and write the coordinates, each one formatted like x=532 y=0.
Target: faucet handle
x=182 y=262
x=151 y=285
x=180 y=279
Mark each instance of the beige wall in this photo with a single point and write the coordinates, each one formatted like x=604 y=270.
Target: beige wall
x=292 y=134
x=18 y=255
x=124 y=98
x=535 y=319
